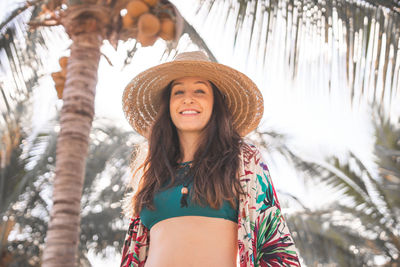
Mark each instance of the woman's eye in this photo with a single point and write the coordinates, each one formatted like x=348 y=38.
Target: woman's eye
x=178 y=92
x=201 y=91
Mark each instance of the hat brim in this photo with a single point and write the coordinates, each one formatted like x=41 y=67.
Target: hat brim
x=142 y=96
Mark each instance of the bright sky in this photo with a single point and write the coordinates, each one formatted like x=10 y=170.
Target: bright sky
x=319 y=124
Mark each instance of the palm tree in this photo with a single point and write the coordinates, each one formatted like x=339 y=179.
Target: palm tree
x=27 y=168
x=88 y=23
x=363 y=223
x=102 y=222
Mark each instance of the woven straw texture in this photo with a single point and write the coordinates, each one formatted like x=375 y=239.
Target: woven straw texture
x=141 y=97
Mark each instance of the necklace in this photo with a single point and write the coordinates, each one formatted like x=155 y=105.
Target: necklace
x=185 y=163
x=182 y=174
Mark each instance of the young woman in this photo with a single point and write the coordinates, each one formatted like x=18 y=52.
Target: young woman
x=205 y=197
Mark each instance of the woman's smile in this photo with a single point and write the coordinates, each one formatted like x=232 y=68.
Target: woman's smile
x=189 y=112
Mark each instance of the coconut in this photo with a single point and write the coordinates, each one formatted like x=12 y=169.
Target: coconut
x=151 y=3
x=127 y=21
x=148 y=24
x=64 y=72
x=59 y=89
x=167 y=29
x=59 y=81
x=146 y=40
x=58 y=78
x=63 y=62
x=136 y=8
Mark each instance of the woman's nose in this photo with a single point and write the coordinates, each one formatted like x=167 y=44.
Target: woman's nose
x=188 y=99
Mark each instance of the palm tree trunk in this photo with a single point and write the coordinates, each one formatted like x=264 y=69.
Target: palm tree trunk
x=72 y=147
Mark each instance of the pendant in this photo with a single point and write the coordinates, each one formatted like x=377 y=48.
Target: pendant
x=184 y=190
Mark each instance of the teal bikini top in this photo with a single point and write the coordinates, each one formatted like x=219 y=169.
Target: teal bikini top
x=173 y=202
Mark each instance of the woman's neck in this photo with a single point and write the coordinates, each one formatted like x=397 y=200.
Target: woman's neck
x=188 y=145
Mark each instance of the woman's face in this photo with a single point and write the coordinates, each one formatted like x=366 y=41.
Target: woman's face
x=191 y=104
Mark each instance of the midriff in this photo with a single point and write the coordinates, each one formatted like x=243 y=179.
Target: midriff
x=195 y=241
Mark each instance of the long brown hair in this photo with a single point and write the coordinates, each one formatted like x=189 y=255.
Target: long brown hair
x=216 y=162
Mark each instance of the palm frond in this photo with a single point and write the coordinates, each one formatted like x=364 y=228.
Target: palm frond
x=354 y=43
x=370 y=201
x=197 y=39
x=340 y=178
x=387 y=148
x=323 y=227
x=101 y=224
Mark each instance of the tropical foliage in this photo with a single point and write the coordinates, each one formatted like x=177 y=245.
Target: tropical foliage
x=102 y=221
x=362 y=227
x=330 y=45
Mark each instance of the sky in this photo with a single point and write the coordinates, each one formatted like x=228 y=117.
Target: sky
x=318 y=124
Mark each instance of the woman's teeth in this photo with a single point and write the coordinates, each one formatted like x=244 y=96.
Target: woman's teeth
x=189 y=112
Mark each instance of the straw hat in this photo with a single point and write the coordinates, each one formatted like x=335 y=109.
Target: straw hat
x=141 y=97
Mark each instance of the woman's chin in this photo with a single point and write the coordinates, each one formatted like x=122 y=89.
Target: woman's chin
x=190 y=130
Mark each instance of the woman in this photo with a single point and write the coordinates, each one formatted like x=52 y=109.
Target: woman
x=205 y=197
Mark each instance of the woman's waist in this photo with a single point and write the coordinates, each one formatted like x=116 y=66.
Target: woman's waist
x=199 y=230
x=198 y=240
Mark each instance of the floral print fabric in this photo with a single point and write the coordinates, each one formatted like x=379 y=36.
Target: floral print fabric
x=263 y=236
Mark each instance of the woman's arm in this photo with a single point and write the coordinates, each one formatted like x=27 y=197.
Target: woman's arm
x=272 y=241
x=135 y=246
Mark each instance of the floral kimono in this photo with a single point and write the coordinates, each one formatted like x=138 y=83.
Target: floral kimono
x=263 y=236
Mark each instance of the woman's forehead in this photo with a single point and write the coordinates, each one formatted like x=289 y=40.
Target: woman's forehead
x=191 y=80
